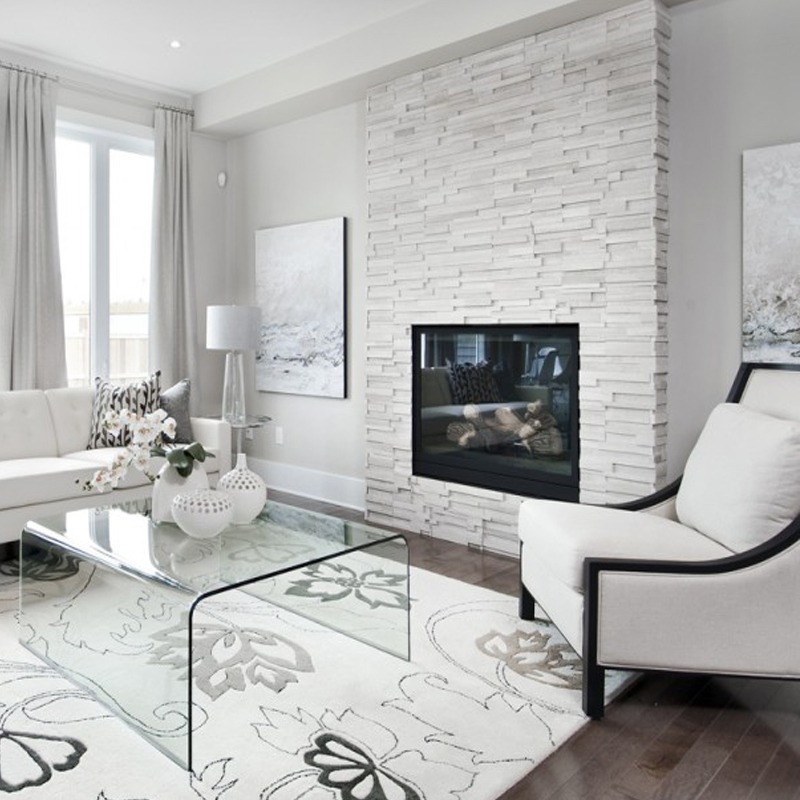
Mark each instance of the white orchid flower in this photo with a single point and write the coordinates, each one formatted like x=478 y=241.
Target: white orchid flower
x=146 y=432
x=169 y=427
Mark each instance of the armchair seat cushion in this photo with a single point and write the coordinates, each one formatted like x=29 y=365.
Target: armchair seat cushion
x=562 y=535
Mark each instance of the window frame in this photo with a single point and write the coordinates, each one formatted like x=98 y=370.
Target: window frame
x=101 y=141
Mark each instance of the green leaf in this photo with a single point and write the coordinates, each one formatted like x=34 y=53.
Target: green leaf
x=182 y=462
x=196 y=451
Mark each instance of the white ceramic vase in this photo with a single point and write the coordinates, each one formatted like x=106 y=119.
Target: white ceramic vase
x=247 y=491
x=202 y=513
x=169 y=483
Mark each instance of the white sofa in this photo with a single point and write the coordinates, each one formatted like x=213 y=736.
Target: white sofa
x=44 y=460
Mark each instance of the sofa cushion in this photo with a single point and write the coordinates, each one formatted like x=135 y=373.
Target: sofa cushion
x=27 y=481
x=71 y=410
x=26 y=427
x=741 y=484
x=140 y=397
x=562 y=535
x=175 y=401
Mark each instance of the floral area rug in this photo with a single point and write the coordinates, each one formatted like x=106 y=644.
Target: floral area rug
x=288 y=709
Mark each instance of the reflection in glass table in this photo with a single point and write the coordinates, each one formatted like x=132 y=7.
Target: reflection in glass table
x=121 y=605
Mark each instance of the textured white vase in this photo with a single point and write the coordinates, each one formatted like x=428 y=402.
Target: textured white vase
x=169 y=483
x=247 y=491
x=202 y=513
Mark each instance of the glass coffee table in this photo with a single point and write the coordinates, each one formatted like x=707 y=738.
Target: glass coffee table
x=122 y=606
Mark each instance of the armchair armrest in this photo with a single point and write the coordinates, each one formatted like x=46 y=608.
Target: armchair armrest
x=686 y=610
x=214 y=435
x=661 y=499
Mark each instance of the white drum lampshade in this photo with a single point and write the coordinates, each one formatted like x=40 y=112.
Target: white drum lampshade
x=235 y=329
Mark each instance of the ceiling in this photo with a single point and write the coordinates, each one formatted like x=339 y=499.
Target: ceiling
x=221 y=40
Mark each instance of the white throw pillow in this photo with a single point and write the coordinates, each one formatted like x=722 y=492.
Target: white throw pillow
x=741 y=484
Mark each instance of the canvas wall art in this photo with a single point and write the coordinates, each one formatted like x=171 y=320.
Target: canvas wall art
x=300 y=287
x=771 y=254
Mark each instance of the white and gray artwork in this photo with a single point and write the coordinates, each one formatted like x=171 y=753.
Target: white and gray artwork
x=771 y=254
x=300 y=289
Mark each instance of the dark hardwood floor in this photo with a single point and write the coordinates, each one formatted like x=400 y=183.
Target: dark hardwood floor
x=669 y=738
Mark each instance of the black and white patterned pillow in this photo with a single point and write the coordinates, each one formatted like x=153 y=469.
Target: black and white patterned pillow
x=473 y=383
x=141 y=397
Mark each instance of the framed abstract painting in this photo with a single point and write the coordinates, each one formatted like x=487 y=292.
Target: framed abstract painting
x=770 y=248
x=300 y=287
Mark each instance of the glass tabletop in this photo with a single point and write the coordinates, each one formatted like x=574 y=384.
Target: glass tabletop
x=281 y=538
x=94 y=580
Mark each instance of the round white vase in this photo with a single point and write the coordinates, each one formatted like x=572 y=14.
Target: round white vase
x=202 y=513
x=247 y=491
x=169 y=483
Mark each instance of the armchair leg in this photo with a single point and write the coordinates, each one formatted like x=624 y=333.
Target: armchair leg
x=594 y=679
x=527 y=605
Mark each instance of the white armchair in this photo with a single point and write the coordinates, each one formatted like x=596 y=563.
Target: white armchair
x=703 y=576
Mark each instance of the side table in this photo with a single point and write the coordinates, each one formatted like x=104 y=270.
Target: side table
x=239 y=428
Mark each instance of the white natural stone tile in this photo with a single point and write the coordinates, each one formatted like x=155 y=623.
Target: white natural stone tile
x=527 y=182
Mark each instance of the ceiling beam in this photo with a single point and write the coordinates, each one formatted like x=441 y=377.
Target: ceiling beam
x=342 y=71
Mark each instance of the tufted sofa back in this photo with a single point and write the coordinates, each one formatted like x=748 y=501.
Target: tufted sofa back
x=26 y=426
x=71 y=411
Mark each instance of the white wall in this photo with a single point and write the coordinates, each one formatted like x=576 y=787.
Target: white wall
x=734 y=86
x=301 y=171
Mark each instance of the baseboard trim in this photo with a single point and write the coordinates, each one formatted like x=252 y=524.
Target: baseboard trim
x=314 y=484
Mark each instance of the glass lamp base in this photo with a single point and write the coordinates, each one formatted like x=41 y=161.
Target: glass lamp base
x=233 y=410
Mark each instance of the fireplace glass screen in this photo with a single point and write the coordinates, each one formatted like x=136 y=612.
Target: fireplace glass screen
x=497 y=406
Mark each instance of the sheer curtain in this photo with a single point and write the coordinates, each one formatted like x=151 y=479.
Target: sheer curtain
x=32 y=349
x=173 y=307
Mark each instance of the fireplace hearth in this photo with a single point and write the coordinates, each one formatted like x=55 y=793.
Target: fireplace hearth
x=496 y=406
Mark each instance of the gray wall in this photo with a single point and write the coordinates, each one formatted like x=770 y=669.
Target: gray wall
x=734 y=68
x=734 y=86
x=306 y=170
x=215 y=282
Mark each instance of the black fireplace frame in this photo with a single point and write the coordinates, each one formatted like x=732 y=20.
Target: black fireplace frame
x=527 y=481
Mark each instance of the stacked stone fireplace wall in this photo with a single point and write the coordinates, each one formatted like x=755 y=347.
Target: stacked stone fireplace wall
x=524 y=184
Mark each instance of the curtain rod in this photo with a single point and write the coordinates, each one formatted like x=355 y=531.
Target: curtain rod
x=111 y=94
x=178 y=109
x=28 y=70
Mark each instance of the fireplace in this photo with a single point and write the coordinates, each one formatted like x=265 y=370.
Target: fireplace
x=496 y=406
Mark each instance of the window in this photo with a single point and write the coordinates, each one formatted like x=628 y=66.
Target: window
x=105 y=198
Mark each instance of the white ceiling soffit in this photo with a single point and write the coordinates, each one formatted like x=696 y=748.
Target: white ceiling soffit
x=341 y=71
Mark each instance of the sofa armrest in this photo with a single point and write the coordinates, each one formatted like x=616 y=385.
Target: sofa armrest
x=215 y=435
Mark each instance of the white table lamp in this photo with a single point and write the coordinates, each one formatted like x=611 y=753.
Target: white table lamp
x=235 y=329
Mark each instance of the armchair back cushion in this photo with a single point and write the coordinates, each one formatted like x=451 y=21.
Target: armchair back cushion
x=741 y=484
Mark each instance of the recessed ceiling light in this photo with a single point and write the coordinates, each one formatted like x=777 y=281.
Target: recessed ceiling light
x=175 y=44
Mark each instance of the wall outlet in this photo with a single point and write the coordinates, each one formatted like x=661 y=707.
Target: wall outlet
x=278 y=434
x=248 y=434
